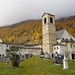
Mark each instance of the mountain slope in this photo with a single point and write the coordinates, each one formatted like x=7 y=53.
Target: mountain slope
x=30 y=31
x=27 y=32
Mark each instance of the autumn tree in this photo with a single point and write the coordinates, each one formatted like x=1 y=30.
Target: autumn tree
x=14 y=56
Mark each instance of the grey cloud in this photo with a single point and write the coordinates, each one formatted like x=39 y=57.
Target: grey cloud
x=12 y=11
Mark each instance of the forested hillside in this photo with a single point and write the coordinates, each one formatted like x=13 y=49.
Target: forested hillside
x=67 y=23
x=30 y=31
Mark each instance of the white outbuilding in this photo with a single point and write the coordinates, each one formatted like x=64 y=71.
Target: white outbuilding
x=59 y=48
x=2 y=49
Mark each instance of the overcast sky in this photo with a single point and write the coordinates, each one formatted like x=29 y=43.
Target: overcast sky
x=13 y=11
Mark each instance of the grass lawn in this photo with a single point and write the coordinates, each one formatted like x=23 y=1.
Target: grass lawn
x=37 y=66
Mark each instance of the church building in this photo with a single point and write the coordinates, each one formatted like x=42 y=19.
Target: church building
x=52 y=38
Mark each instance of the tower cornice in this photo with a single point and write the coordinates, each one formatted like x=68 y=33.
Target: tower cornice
x=48 y=14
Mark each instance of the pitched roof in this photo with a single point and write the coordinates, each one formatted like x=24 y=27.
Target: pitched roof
x=59 y=33
x=48 y=14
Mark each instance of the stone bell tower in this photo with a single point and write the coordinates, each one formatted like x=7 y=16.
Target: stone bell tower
x=48 y=31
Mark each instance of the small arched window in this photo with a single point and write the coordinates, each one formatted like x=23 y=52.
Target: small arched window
x=45 y=20
x=57 y=47
x=3 y=55
x=71 y=45
x=51 y=20
x=54 y=48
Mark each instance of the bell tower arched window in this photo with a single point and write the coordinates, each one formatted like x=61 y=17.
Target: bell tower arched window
x=51 y=20
x=45 y=20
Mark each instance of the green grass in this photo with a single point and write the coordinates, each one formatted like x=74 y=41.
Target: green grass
x=37 y=66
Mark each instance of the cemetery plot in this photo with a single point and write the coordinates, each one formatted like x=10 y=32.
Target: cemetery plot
x=4 y=59
x=37 y=66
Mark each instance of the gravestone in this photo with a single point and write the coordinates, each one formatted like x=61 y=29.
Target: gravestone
x=47 y=56
x=70 y=56
x=21 y=58
x=58 y=59
x=52 y=55
x=0 y=58
x=55 y=59
x=65 y=63
x=73 y=57
x=3 y=59
x=7 y=60
x=27 y=56
x=31 y=55
x=42 y=56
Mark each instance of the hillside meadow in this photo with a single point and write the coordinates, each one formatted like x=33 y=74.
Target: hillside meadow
x=37 y=66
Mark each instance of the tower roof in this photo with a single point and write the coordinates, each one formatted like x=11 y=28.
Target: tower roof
x=48 y=14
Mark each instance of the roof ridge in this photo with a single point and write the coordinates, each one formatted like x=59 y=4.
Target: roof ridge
x=61 y=30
